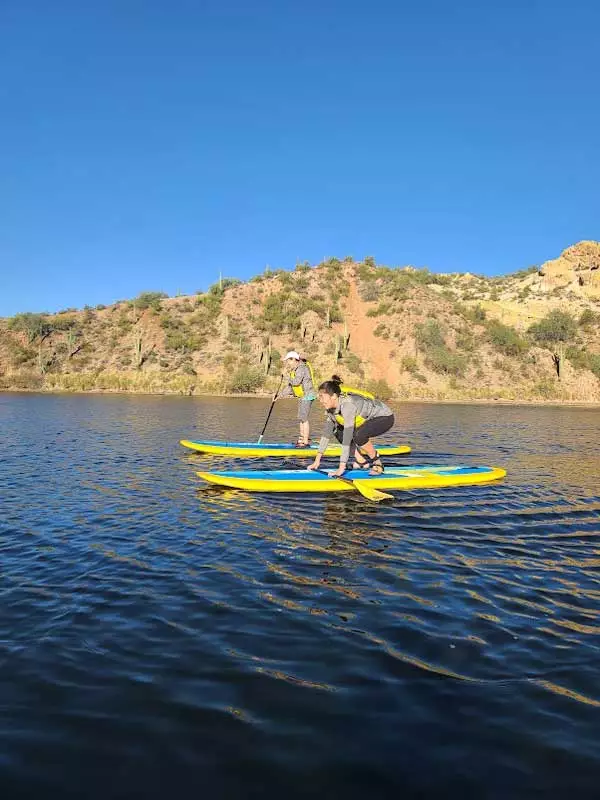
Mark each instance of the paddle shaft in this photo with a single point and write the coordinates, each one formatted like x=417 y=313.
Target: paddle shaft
x=260 y=438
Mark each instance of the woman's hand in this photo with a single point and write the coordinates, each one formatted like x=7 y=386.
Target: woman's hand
x=339 y=471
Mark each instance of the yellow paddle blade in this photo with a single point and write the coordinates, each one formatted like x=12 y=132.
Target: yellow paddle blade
x=370 y=493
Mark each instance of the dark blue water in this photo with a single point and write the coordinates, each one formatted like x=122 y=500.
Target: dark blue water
x=159 y=638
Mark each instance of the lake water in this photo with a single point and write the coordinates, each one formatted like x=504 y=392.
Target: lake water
x=162 y=638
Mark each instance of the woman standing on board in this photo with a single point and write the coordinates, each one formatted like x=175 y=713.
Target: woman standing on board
x=301 y=385
x=354 y=417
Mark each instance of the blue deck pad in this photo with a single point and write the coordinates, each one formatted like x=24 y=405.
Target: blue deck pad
x=355 y=474
x=254 y=445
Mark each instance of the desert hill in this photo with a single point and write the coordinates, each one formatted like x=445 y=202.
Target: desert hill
x=406 y=332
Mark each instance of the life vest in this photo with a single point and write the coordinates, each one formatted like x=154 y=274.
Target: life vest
x=298 y=390
x=348 y=391
x=361 y=392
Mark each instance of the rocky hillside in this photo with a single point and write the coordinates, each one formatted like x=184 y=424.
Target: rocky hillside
x=406 y=332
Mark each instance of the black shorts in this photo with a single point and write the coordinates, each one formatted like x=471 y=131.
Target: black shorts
x=369 y=429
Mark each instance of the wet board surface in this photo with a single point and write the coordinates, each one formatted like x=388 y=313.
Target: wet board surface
x=254 y=450
x=293 y=480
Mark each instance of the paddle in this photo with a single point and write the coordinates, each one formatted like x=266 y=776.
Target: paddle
x=367 y=491
x=260 y=438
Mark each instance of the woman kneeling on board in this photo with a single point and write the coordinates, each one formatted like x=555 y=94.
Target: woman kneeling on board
x=354 y=417
x=301 y=385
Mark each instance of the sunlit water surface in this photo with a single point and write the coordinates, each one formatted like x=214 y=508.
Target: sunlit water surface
x=161 y=638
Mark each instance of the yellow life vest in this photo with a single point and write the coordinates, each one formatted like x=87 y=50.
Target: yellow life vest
x=298 y=390
x=361 y=392
x=348 y=390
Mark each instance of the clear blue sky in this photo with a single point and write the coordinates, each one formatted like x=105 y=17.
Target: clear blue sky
x=148 y=144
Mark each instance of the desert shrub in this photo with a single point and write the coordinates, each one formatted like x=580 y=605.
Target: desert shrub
x=556 y=326
x=64 y=322
x=182 y=341
x=545 y=389
x=353 y=363
x=380 y=388
x=380 y=310
x=146 y=300
x=582 y=359
x=429 y=334
x=246 y=379
x=19 y=355
x=33 y=325
x=441 y=359
x=506 y=339
x=587 y=318
x=369 y=291
x=409 y=364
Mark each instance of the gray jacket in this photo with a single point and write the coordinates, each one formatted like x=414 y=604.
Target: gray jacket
x=349 y=407
x=300 y=378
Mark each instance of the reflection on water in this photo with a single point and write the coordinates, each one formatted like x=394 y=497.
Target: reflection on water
x=155 y=630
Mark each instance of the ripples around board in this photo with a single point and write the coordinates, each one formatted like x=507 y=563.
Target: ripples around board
x=161 y=636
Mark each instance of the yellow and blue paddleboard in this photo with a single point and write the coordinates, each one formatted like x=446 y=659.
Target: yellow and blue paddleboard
x=254 y=450
x=299 y=480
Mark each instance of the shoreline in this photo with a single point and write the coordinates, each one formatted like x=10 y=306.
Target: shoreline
x=258 y=396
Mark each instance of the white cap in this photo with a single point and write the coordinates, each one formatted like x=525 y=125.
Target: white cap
x=292 y=354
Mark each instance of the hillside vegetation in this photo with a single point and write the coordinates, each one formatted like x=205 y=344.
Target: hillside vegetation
x=404 y=332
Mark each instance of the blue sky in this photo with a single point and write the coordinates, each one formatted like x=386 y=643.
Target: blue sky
x=146 y=145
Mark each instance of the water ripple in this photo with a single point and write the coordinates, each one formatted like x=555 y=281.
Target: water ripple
x=155 y=630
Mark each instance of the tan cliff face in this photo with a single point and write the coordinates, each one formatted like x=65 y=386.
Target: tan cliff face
x=403 y=332
x=577 y=268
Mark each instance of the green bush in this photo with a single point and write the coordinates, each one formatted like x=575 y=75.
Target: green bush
x=382 y=331
x=409 y=364
x=582 y=359
x=380 y=388
x=19 y=355
x=34 y=325
x=146 y=300
x=545 y=389
x=380 y=310
x=557 y=326
x=353 y=363
x=447 y=362
x=208 y=306
x=429 y=334
x=506 y=339
x=181 y=341
x=63 y=322
x=465 y=341
x=587 y=318
x=246 y=379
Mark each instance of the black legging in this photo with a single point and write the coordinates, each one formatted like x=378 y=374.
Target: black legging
x=369 y=429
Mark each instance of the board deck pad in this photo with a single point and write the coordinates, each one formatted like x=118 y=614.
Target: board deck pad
x=298 y=480
x=254 y=450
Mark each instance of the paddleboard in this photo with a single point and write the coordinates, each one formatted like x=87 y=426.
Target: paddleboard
x=254 y=450
x=298 y=480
